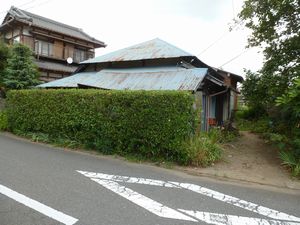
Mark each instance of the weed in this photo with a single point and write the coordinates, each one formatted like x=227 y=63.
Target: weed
x=203 y=150
x=292 y=161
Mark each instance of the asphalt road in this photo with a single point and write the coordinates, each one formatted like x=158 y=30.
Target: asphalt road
x=45 y=185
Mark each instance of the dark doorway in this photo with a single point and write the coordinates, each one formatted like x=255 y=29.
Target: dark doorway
x=219 y=109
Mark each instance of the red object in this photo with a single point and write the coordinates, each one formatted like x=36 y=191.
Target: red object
x=212 y=121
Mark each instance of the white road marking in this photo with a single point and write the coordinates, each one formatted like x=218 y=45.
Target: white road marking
x=46 y=210
x=143 y=201
x=280 y=217
x=222 y=219
x=274 y=214
x=131 y=180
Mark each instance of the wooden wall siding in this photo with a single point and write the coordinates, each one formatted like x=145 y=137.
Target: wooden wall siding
x=58 y=49
x=69 y=51
x=234 y=83
x=9 y=34
x=29 y=42
x=90 y=54
x=47 y=75
x=227 y=81
x=16 y=32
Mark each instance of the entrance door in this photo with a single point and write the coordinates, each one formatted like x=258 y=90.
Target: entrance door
x=219 y=109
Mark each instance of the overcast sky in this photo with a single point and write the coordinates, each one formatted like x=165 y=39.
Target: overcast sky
x=200 y=27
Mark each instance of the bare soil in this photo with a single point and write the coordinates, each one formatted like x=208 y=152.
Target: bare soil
x=251 y=159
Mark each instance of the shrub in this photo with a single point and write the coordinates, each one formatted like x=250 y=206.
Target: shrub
x=221 y=135
x=292 y=161
x=203 y=150
x=152 y=124
x=3 y=120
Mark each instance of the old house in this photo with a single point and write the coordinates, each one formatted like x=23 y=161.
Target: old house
x=58 y=47
x=158 y=65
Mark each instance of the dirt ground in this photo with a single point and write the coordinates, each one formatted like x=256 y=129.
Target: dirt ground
x=250 y=159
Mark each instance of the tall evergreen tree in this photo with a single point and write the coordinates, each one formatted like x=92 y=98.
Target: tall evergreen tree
x=20 y=72
x=4 y=54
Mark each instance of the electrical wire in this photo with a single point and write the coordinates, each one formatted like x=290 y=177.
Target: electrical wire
x=221 y=37
x=27 y=3
x=42 y=3
x=19 y=6
x=234 y=58
x=213 y=43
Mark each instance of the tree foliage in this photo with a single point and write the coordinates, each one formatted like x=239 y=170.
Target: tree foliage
x=20 y=71
x=4 y=54
x=290 y=105
x=275 y=26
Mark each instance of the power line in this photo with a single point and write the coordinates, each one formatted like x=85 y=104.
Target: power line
x=42 y=3
x=234 y=58
x=19 y=6
x=27 y=3
x=221 y=37
x=233 y=13
x=213 y=43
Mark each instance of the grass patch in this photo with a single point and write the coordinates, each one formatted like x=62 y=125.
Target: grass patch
x=203 y=150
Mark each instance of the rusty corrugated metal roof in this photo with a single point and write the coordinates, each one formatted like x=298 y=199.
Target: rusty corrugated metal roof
x=147 y=78
x=69 y=82
x=153 y=49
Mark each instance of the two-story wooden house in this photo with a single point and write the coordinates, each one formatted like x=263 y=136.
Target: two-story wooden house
x=58 y=47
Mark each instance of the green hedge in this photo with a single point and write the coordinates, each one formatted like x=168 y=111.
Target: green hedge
x=147 y=123
x=3 y=120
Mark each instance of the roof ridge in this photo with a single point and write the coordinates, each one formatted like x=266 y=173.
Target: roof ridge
x=127 y=51
x=25 y=15
x=49 y=20
x=171 y=45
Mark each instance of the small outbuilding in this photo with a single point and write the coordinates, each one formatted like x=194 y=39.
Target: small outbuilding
x=158 y=65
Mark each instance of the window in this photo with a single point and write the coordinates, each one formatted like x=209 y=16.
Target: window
x=79 y=55
x=16 y=39
x=43 y=48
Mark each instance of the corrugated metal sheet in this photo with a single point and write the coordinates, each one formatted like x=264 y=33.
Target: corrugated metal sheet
x=149 y=78
x=55 y=66
x=153 y=49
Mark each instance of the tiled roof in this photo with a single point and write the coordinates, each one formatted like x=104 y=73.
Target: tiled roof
x=42 y=22
x=55 y=66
